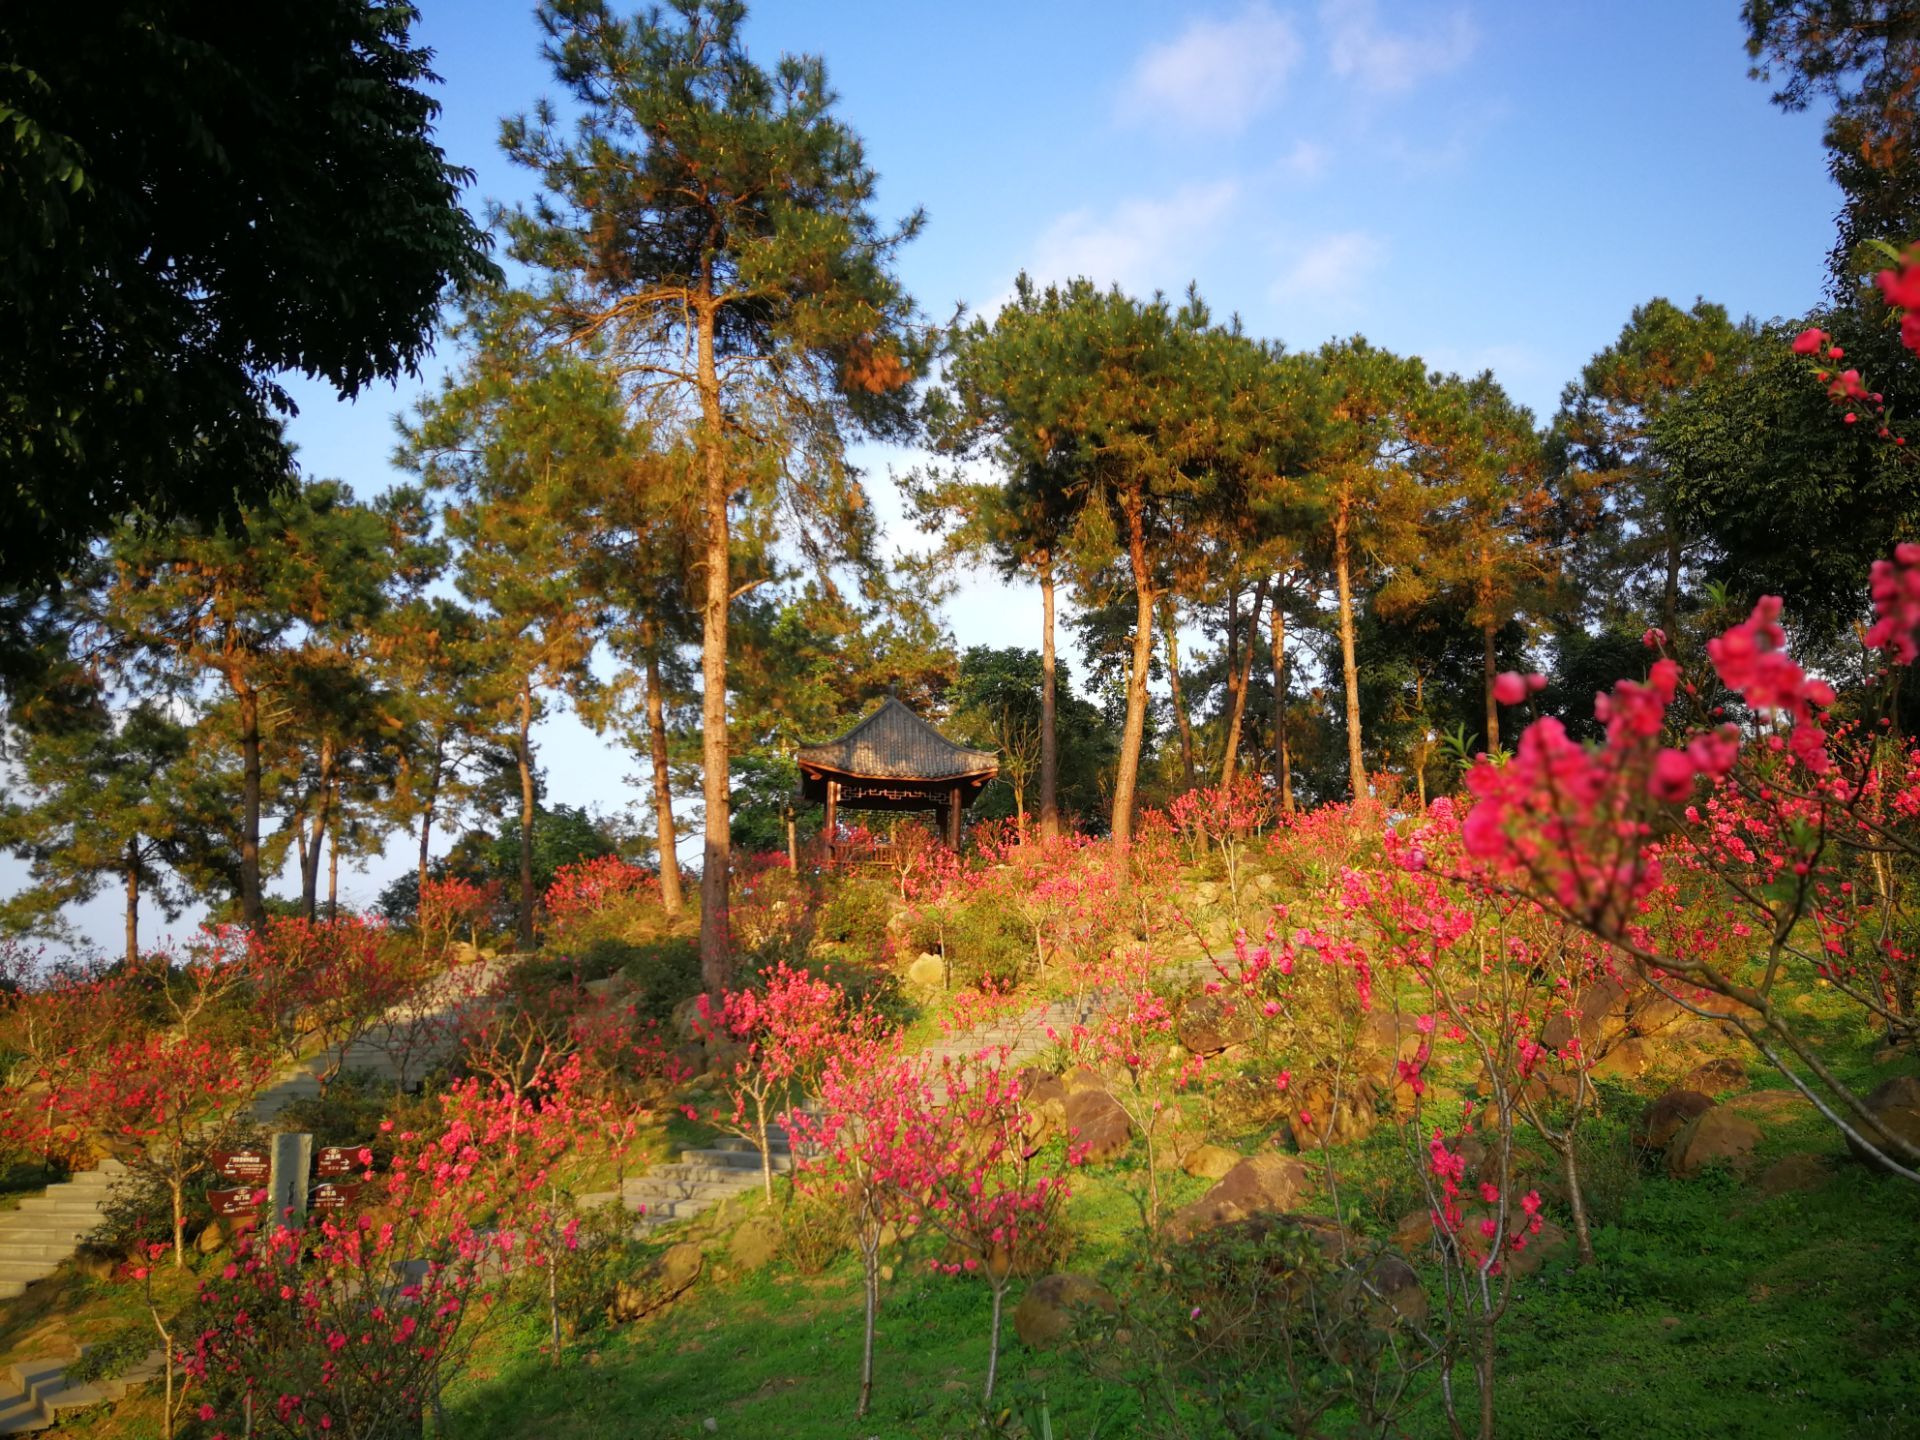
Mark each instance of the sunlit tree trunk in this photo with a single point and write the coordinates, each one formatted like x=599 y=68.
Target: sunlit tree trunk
x=1282 y=755
x=523 y=753
x=1170 y=619
x=1049 y=719
x=253 y=908
x=1126 y=780
x=670 y=897
x=716 y=941
x=1356 y=759
x=133 y=903
x=1242 y=681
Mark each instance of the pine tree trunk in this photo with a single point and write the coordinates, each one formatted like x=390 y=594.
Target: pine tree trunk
x=523 y=753
x=253 y=910
x=1126 y=780
x=716 y=942
x=670 y=897
x=333 y=869
x=1670 y=596
x=1489 y=663
x=1049 y=731
x=1356 y=757
x=1282 y=755
x=133 y=903
x=1169 y=618
x=426 y=813
x=1242 y=681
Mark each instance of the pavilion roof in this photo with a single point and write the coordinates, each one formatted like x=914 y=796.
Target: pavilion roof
x=893 y=743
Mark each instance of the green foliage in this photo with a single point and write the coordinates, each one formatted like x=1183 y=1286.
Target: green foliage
x=663 y=972
x=855 y=914
x=562 y=835
x=191 y=207
x=119 y=1352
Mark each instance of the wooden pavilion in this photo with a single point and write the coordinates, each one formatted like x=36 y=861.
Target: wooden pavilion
x=894 y=760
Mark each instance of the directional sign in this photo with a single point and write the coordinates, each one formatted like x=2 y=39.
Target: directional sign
x=229 y=1203
x=333 y=1195
x=334 y=1160
x=246 y=1167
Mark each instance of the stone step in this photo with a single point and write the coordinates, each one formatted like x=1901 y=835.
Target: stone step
x=25 y=1250
x=21 y=1416
x=696 y=1173
x=30 y=1376
x=656 y=1192
x=27 y=1271
x=777 y=1141
x=42 y=1205
x=715 y=1156
x=12 y=1289
x=51 y=1233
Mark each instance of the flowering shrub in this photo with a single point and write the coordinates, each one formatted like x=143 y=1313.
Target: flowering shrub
x=451 y=904
x=602 y=897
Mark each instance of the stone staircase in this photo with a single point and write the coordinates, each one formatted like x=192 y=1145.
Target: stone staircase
x=1024 y=1037
x=36 y=1394
x=398 y=1048
x=47 y=1228
x=699 y=1180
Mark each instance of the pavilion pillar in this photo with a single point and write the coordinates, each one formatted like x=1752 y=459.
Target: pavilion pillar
x=953 y=819
x=833 y=808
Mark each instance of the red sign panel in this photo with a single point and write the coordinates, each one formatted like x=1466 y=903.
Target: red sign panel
x=333 y=1195
x=229 y=1203
x=333 y=1160
x=249 y=1167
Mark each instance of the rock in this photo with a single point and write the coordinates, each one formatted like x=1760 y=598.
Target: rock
x=929 y=972
x=1390 y=1034
x=1083 y=1077
x=1792 y=1174
x=1204 y=892
x=1668 y=1116
x=755 y=1244
x=1389 y=1289
x=608 y=987
x=1888 y=1054
x=1718 y=1135
x=1263 y=1184
x=666 y=1280
x=1317 y=1118
x=690 y=1058
x=462 y=952
x=1210 y=1023
x=1539 y=1248
x=1896 y=1105
x=96 y=1263
x=1716 y=1076
x=1096 y=1121
x=1044 y=1099
x=211 y=1238
x=1771 y=1105
x=1210 y=1162
x=1653 y=1012
x=1045 y=1314
x=685 y=1018
x=1626 y=1059
x=1414 y=1232
x=1600 y=1012
x=723 y=1056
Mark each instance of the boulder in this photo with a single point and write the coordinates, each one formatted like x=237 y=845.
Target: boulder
x=755 y=1244
x=1096 y=1121
x=608 y=987
x=1791 y=1174
x=1323 y=1115
x=1771 y=1105
x=1414 y=1232
x=724 y=1055
x=1044 y=1099
x=1265 y=1184
x=1537 y=1249
x=664 y=1281
x=462 y=952
x=685 y=1018
x=1716 y=1076
x=1390 y=1034
x=1210 y=1162
x=1600 y=1012
x=1718 y=1135
x=1210 y=1023
x=1389 y=1289
x=1045 y=1314
x=1083 y=1077
x=211 y=1238
x=928 y=972
x=1668 y=1116
x=1895 y=1104
x=1625 y=1059
x=1653 y=1012
x=690 y=1058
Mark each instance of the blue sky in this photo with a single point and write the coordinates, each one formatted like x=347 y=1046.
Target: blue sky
x=1481 y=184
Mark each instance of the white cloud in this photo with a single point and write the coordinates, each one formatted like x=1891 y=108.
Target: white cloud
x=1361 y=49
x=1305 y=160
x=1217 y=74
x=1331 y=268
x=1139 y=243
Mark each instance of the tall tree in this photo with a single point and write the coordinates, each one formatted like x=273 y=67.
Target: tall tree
x=1632 y=542
x=528 y=442
x=102 y=802
x=710 y=222
x=196 y=199
x=245 y=606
